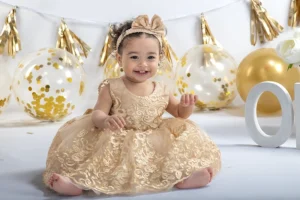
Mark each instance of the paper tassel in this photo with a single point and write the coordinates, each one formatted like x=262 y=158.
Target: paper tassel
x=207 y=36
x=294 y=14
x=169 y=52
x=10 y=35
x=68 y=41
x=107 y=48
x=262 y=25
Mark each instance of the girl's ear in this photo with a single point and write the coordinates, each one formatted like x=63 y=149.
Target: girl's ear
x=119 y=59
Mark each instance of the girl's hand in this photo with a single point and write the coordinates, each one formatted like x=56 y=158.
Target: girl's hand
x=188 y=100
x=114 y=122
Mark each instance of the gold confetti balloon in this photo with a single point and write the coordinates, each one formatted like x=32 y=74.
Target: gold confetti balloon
x=209 y=72
x=5 y=88
x=49 y=84
x=165 y=72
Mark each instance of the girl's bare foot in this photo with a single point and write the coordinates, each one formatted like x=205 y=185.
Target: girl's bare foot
x=197 y=179
x=63 y=185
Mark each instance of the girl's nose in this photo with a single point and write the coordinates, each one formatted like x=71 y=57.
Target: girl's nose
x=143 y=63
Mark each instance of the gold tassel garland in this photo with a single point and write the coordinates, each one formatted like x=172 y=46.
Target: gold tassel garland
x=10 y=35
x=68 y=41
x=262 y=25
x=294 y=13
x=207 y=36
x=169 y=52
x=107 y=48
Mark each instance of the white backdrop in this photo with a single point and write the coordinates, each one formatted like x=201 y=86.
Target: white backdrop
x=230 y=25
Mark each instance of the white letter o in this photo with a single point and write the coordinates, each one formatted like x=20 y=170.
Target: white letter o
x=254 y=129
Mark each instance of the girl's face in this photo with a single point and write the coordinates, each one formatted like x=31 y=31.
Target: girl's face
x=140 y=58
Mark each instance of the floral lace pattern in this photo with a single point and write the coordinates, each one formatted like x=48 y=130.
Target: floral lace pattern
x=151 y=154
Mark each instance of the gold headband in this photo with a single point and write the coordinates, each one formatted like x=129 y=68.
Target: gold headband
x=142 y=25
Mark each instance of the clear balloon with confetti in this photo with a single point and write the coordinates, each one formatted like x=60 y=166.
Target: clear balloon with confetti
x=49 y=84
x=209 y=72
x=5 y=88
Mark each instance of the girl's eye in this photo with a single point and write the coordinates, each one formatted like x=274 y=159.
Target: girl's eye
x=134 y=57
x=151 y=57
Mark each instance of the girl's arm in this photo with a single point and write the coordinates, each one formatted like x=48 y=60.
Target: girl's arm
x=100 y=116
x=182 y=108
x=102 y=107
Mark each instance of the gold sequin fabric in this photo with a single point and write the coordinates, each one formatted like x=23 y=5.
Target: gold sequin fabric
x=150 y=154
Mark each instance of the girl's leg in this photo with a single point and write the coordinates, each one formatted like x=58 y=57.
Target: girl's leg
x=63 y=185
x=197 y=179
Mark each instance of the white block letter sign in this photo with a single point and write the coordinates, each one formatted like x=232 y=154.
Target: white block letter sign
x=255 y=131
x=297 y=112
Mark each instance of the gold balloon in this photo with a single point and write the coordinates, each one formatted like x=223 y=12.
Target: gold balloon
x=49 y=84
x=265 y=65
x=165 y=72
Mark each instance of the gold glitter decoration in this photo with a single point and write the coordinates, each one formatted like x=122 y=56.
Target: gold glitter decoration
x=165 y=72
x=262 y=25
x=37 y=67
x=81 y=89
x=169 y=53
x=2 y=102
x=183 y=61
x=56 y=65
x=68 y=41
x=10 y=35
x=210 y=78
x=29 y=78
x=43 y=91
x=51 y=109
x=38 y=79
x=69 y=80
x=207 y=36
x=294 y=13
x=107 y=48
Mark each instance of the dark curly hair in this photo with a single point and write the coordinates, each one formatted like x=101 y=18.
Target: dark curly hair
x=119 y=29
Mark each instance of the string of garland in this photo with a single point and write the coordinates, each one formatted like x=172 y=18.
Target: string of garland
x=263 y=27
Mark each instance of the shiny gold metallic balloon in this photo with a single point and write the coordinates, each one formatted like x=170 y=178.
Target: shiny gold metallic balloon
x=49 y=84
x=209 y=72
x=165 y=72
x=5 y=88
x=265 y=65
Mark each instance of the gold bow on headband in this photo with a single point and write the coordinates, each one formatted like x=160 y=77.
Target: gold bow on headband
x=156 y=26
x=142 y=24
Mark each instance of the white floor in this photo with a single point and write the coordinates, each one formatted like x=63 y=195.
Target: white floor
x=249 y=171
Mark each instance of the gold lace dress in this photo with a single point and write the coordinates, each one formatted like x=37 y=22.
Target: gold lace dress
x=150 y=154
